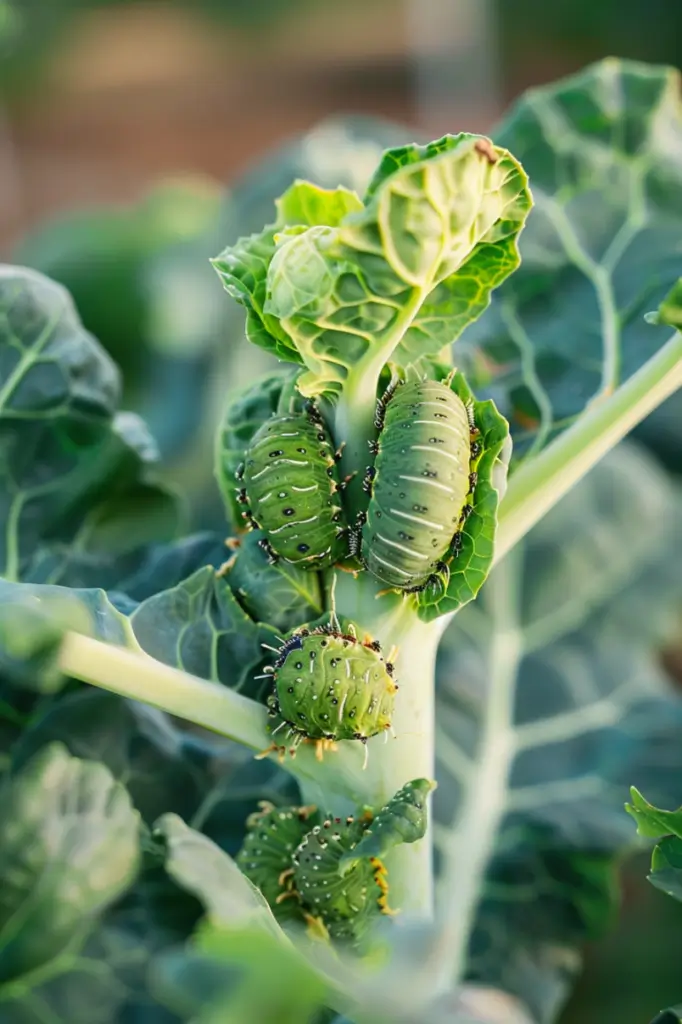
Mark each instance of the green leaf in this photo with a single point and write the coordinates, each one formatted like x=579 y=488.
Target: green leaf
x=306 y=204
x=550 y=700
x=670 y=310
x=201 y=867
x=402 y=820
x=243 y=267
x=671 y=1016
x=603 y=151
x=70 y=463
x=666 y=859
x=232 y=976
x=163 y=770
x=652 y=822
x=68 y=848
x=666 y=867
x=348 y=296
x=281 y=594
x=469 y=569
x=33 y=620
x=200 y=627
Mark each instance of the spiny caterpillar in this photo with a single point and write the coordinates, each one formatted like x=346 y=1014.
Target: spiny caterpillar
x=345 y=902
x=421 y=484
x=330 y=872
x=266 y=858
x=289 y=481
x=331 y=686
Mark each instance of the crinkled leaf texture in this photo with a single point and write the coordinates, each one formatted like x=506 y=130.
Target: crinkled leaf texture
x=345 y=288
x=243 y=267
x=551 y=699
x=603 y=151
x=469 y=569
x=68 y=849
x=282 y=595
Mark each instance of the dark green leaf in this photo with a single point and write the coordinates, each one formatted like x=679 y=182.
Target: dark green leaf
x=603 y=153
x=163 y=769
x=666 y=867
x=673 y=1016
x=281 y=594
x=68 y=848
x=70 y=465
x=200 y=627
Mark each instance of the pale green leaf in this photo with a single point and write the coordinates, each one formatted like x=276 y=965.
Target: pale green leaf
x=198 y=865
x=348 y=296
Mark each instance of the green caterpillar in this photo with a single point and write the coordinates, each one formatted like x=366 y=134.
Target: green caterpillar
x=329 y=872
x=331 y=686
x=420 y=485
x=289 y=482
x=266 y=858
x=345 y=902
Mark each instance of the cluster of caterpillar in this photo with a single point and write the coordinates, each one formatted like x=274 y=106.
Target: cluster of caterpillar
x=306 y=864
x=293 y=855
x=421 y=487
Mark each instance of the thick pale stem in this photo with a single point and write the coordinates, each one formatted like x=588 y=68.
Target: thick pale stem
x=544 y=480
x=409 y=753
x=354 y=425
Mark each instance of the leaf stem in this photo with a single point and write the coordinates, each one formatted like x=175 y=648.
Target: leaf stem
x=541 y=482
x=211 y=705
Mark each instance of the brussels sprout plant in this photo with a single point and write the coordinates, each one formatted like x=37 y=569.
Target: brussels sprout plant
x=452 y=353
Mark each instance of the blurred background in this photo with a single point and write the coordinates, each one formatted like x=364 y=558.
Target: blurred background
x=139 y=138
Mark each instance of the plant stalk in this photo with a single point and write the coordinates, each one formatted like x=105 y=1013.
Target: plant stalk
x=409 y=751
x=543 y=481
